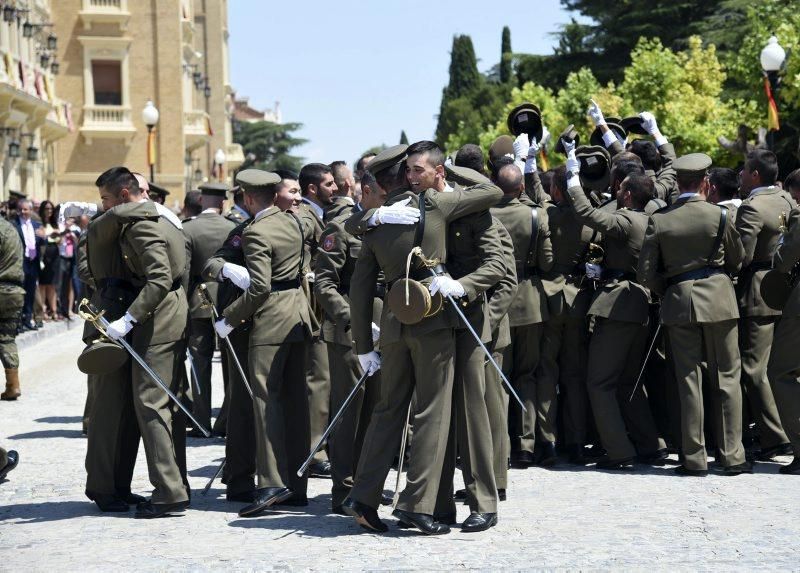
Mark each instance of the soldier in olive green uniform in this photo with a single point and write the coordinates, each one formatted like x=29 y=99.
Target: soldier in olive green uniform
x=758 y=220
x=336 y=260
x=273 y=251
x=688 y=249
x=237 y=213
x=240 y=446
x=528 y=226
x=407 y=350
x=12 y=297
x=784 y=360
x=621 y=311
x=204 y=235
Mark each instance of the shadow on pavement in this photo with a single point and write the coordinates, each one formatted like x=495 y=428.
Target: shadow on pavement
x=205 y=471
x=48 y=434
x=61 y=420
x=54 y=511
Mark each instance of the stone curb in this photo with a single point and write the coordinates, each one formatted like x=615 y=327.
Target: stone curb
x=50 y=329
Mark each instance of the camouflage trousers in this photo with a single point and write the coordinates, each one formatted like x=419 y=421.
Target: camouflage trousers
x=11 y=300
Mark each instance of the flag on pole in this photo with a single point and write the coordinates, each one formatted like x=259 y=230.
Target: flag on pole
x=151 y=147
x=545 y=164
x=773 y=121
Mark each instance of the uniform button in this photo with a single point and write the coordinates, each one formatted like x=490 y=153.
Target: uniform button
x=458 y=233
x=242 y=320
x=124 y=256
x=120 y=298
x=464 y=303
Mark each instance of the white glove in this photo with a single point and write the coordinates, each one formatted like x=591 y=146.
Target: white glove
x=370 y=362
x=596 y=114
x=651 y=126
x=237 y=274
x=545 y=136
x=397 y=214
x=74 y=209
x=310 y=277
x=593 y=271
x=573 y=164
x=120 y=327
x=447 y=287
x=533 y=151
x=223 y=328
x=521 y=147
x=376 y=332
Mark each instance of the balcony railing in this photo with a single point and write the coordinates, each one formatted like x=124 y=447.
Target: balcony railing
x=196 y=128
x=107 y=121
x=104 y=12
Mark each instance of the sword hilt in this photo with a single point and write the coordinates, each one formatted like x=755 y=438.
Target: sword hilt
x=205 y=297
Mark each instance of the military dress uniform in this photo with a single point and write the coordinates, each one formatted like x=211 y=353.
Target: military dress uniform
x=336 y=261
x=339 y=206
x=784 y=360
x=757 y=221
x=318 y=371
x=240 y=433
x=617 y=346
x=688 y=248
x=273 y=253
x=12 y=298
x=204 y=236
x=409 y=350
x=533 y=252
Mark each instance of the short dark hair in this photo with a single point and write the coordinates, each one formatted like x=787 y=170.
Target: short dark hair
x=435 y=153
x=470 y=155
x=725 y=180
x=792 y=180
x=642 y=189
x=499 y=163
x=116 y=179
x=361 y=161
x=765 y=162
x=546 y=178
x=509 y=178
x=624 y=168
x=191 y=203
x=647 y=152
x=560 y=179
x=286 y=174
x=368 y=179
x=312 y=174
x=392 y=178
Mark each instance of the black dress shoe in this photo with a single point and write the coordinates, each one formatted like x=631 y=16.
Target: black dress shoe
x=460 y=495
x=243 y=497
x=296 y=501
x=13 y=460
x=149 y=510
x=792 y=469
x=386 y=499
x=501 y=494
x=366 y=516
x=575 y=455
x=108 y=503
x=625 y=464
x=684 y=471
x=131 y=498
x=479 y=522
x=338 y=510
x=768 y=454
x=735 y=470
x=656 y=458
x=594 y=453
x=545 y=454
x=320 y=470
x=264 y=498
x=422 y=521
x=521 y=459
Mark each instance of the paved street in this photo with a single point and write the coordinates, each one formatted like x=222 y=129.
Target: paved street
x=564 y=518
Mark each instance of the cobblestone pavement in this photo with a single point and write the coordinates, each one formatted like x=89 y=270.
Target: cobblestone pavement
x=563 y=518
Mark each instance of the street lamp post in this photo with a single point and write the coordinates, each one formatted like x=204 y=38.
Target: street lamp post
x=150 y=119
x=773 y=57
x=219 y=159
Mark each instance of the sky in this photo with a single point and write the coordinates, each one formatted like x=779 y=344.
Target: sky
x=356 y=73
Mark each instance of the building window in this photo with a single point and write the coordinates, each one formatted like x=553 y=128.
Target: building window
x=107 y=80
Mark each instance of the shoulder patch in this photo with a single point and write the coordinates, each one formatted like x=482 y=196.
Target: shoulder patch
x=328 y=243
x=235 y=241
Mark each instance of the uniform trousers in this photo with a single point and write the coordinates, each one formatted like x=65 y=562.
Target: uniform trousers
x=755 y=340
x=616 y=352
x=716 y=344
x=280 y=414
x=201 y=349
x=421 y=363
x=497 y=402
x=319 y=393
x=784 y=375
x=240 y=439
x=347 y=439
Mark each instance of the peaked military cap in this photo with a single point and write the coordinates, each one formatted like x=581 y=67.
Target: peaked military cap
x=256 y=178
x=501 y=146
x=214 y=189
x=387 y=158
x=464 y=175
x=156 y=190
x=526 y=118
x=634 y=124
x=570 y=134
x=101 y=357
x=615 y=125
x=16 y=195
x=595 y=166
x=692 y=164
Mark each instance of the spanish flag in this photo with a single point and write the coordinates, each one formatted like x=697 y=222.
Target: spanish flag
x=151 y=147
x=773 y=121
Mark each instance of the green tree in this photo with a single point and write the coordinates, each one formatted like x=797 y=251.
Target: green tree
x=464 y=79
x=403 y=137
x=506 y=69
x=270 y=144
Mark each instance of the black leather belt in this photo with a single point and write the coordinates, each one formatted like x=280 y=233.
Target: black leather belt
x=525 y=272
x=695 y=274
x=617 y=275
x=380 y=290
x=278 y=286
x=571 y=270
x=122 y=284
x=759 y=266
